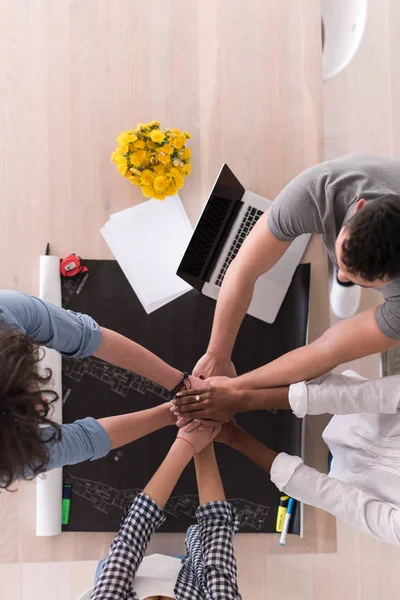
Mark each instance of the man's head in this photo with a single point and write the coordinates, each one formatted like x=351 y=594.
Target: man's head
x=24 y=407
x=368 y=245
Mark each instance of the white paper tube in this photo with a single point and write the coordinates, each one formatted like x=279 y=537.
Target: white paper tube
x=49 y=485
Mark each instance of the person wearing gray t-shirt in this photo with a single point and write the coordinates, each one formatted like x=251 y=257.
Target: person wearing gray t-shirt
x=353 y=202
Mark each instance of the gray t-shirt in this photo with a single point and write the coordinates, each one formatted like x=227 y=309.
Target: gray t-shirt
x=321 y=200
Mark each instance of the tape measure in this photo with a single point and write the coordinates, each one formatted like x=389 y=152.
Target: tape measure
x=71 y=266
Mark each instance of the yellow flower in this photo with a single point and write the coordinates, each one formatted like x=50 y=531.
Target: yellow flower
x=147 y=178
x=151 y=144
x=171 y=191
x=134 y=180
x=140 y=144
x=148 y=192
x=186 y=170
x=154 y=124
x=160 y=183
x=188 y=136
x=159 y=195
x=122 y=164
x=163 y=158
x=157 y=136
x=185 y=153
x=137 y=157
x=125 y=138
x=159 y=169
x=177 y=178
x=178 y=141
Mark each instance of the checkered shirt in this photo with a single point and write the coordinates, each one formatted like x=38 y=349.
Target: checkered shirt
x=209 y=571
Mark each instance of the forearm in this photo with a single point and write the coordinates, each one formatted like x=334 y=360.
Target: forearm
x=119 y=350
x=123 y=429
x=162 y=483
x=208 y=477
x=255 y=451
x=349 y=340
x=356 y=507
x=263 y=399
x=233 y=301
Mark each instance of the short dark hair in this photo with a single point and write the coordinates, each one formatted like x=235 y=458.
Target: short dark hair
x=24 y=407
x=372 y=247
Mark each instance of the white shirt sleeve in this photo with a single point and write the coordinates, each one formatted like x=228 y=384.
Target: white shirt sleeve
x=346 y=502
x=345 y=395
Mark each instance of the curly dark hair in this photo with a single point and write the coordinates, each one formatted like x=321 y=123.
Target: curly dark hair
x=24 y=407
x=372 y=247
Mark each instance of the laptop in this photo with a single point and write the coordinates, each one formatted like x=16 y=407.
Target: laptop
x=228 y=217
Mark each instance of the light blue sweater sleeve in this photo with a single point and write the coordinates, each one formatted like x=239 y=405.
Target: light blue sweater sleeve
x=71 y=334
x=82 y=440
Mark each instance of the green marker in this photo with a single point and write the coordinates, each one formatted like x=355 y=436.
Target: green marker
x=66 y=503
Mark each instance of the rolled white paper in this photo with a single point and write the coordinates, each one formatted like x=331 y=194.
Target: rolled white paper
x=49 y=485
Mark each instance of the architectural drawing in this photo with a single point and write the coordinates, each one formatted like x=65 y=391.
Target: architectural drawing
x=104 y=497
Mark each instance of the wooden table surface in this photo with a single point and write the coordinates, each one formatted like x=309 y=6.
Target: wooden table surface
x=243 y=77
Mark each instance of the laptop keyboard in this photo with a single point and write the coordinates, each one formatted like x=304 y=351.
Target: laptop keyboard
x=249 y=220
x=204 y=236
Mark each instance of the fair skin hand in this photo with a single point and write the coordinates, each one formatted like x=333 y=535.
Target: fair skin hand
x=348 y=340
x=259 y=253
x=127 y=354
x=220 y=402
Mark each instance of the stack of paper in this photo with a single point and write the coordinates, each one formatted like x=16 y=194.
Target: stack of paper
x=148 y=241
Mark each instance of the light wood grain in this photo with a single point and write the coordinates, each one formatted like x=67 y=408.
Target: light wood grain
x=75 y=73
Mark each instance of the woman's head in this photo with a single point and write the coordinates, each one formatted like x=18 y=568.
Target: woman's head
x=24 y=407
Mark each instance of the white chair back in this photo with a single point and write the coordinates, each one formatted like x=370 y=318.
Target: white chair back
x=343 y=26
x=86 y=595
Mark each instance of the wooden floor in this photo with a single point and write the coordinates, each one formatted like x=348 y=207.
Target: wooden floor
x=361 y=114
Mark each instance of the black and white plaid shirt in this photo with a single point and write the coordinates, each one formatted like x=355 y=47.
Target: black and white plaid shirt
x=209 y=571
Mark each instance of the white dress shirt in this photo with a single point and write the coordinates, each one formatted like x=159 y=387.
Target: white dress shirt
x=363 y=486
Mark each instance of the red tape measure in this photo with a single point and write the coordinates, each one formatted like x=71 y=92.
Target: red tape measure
x=71 y=266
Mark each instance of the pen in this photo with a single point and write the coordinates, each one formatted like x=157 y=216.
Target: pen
x=287 y=521
x=281 y=514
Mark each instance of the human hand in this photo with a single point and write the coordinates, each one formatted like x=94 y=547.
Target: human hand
x=214 y=402
x=200 y=437
x=211 y=364
x=229 y=433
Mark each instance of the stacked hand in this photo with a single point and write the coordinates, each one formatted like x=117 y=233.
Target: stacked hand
x=217 y=401
x=200 y=437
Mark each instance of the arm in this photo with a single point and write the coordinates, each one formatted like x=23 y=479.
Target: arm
x=217 y=525
x=363 y=510
x=346 y=502
x=208 y=477
x=348 y=340
x=125 y=353
x=329 y=394
x=90 y=439
x=260 y=252
x=237 y=438
x=143 y=517
x=76 y=335
x=220 y=402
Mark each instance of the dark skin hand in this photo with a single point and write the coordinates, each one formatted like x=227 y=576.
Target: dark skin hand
x=220 y=402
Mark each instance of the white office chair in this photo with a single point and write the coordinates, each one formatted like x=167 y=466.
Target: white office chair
x=343 y=26
x=86 y=595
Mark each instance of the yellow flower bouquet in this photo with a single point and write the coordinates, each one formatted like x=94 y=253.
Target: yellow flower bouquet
x=155 y=160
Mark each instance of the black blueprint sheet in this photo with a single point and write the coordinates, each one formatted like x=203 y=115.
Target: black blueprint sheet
x=178 y=333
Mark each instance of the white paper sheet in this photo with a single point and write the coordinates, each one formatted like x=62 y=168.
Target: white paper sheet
x=148 y=241
x=49 y=485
